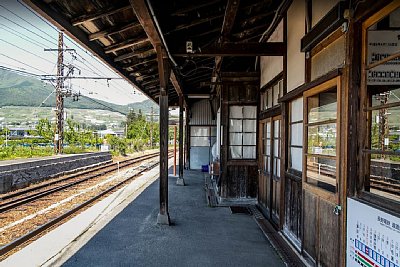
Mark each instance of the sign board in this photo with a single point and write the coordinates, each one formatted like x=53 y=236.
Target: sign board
x=104 y=148
x=382 y=44
x=373 y=236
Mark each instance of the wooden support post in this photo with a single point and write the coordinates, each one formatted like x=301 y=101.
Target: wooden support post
x=180 y=180
x=174 y=150
x=164 y=72
x=187 y=143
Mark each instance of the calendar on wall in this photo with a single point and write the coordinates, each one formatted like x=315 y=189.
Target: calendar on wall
x=373 y=236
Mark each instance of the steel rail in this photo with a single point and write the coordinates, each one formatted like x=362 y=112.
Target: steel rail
x=12 y=245
x=71 y=176
x=4 y=207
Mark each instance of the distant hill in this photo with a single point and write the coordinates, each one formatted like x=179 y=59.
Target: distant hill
x=18 y=90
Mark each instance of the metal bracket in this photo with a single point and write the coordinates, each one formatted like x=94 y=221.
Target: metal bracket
x=337 y=210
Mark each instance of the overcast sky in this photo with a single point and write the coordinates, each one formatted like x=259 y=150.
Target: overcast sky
x=23 y=38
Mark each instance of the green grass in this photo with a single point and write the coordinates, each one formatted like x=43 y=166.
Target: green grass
x=18 y=152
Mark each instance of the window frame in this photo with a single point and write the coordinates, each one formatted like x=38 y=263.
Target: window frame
x=290 y=169
x=325 y=86
x=243 y=132
x=269 y=95
x=365 y=114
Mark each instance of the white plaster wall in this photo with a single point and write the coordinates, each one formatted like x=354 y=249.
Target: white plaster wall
x=320 y=8
x=295 y=31
x=272 y=66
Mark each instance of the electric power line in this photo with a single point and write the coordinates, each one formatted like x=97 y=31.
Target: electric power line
x=119 y=87
x=23 y=27
x=29 y=52
x=26 y=21
x=22 y=63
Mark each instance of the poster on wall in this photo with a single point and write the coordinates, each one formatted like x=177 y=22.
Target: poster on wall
x=373 y=236
x=382 y=44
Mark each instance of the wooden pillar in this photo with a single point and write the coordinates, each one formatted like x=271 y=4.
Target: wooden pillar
x=180 y=180
x=187 y=143
x=174 y=150
x=164 y=73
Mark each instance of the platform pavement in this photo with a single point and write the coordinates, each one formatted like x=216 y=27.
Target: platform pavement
x=199 y=236
x=121 y=230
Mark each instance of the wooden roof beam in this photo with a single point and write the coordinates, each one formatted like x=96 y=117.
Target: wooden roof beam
x=237 y=50
x=229 y=19
x=145 y=78
x=195 y=23
x=156 y=81
x=134 y=67
x=150 y=71
x=125 y=44
x=143 y=14
x=185 y=10
x=145 y=62
x=102 y=13
x=78 y=35
x=138 y=54
x=113 y=30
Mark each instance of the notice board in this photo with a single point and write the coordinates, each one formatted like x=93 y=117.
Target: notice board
x=373 y=236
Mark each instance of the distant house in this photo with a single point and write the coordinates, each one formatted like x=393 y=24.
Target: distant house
x=118 y=133
x=17 y=132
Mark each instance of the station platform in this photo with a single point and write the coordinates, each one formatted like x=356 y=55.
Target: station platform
x=199 y=235
x=24 y=160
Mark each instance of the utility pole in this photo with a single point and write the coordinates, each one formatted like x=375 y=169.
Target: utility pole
x=6 y=135
x=151 y=129
x=61 y=92
x=58 y=137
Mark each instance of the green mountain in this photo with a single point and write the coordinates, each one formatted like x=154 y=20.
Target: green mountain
x=19 y=90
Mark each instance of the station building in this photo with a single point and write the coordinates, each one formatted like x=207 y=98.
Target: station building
x=297 y=102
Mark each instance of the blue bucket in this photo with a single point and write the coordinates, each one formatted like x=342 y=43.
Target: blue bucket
x=204 y=168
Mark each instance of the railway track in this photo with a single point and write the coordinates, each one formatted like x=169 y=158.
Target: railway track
x=32 y=202
x=29 y=194
x=385 y=186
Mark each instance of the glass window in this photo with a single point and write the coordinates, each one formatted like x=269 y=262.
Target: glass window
x=381 y=80
x=321 y=135
x=296 y=135
x=204 y=136
x=271 y=95
x=242 y=132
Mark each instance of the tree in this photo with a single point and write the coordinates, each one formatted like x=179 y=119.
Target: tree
x=45 y=129
x=131 y=117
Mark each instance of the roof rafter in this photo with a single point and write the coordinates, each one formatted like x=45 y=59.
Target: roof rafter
x=103 y=13
x=138 y=54
x=237 y=49
x=143 y=14
x=125 y=44
x=195 y=23
x=182 y=11
x=113 y=30
x=229 y=20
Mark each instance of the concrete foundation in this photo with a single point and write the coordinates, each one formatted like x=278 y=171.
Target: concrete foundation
x=163 y=219
x=180 y=181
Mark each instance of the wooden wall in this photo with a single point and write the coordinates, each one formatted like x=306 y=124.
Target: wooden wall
x=239 y=178
x=321 y=230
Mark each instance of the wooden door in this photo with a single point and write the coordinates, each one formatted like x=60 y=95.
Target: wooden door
x=269 y=167
x=264 y=162
x=322 y=182
x=276 y=169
